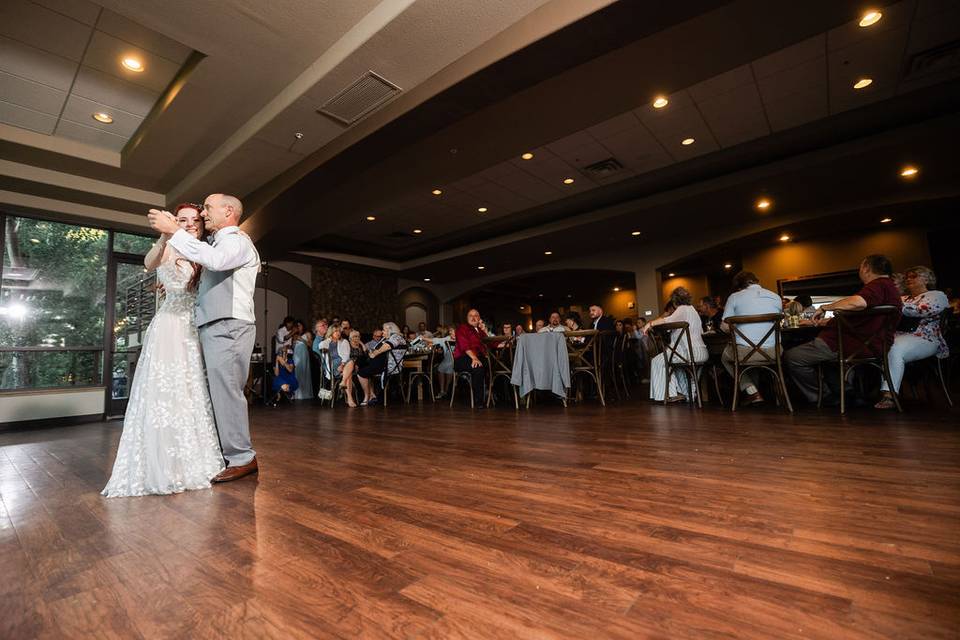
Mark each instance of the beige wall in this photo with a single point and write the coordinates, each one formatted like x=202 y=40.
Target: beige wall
x=904 y=247
x=696 y=285
x=616 y=304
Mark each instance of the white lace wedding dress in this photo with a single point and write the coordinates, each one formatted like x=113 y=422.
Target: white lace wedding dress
x=169 y=442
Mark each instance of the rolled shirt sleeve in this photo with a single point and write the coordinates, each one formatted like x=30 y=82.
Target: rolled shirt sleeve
x=231 y=251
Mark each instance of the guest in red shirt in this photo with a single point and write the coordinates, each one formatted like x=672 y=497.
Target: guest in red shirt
x=466 y=356
x=878 y=290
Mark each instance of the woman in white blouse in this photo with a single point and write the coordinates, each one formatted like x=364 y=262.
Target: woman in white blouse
x=680 y=300
x=922 y=306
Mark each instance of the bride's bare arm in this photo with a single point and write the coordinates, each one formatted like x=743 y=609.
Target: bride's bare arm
x=158 y=252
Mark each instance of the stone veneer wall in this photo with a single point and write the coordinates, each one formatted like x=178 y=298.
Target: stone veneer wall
x=366 y=298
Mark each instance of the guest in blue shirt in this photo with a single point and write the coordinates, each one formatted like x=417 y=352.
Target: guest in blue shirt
x=750 y=299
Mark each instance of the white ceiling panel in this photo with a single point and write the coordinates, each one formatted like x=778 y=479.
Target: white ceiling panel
x=574 y=141
x=27 y=118
x=35 y=64
x=791 y=56
x=586 y=155
x=934 y=30
x=802 y=77
x=139 y=36
x=80 y=10
x=614 y=125
x=797 y=108
x=637 y=149
x=106 y=52
x=721 y=84
x=90 y=135
x=532 y=187
x=736 y=117
x=81 y=110
x=32 y=95
x=95 y=85
x=19 y=19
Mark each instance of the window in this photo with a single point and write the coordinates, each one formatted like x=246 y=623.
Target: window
x=52 y=304
x=130 y=243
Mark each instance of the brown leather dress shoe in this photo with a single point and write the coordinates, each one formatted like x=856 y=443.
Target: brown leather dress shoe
x=235 y=473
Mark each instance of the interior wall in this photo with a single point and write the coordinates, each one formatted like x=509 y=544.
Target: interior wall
x=904 y=247
x=696 y=285
x=366 y=297
x=617 y=304
x=277 y=308
x=423 y=298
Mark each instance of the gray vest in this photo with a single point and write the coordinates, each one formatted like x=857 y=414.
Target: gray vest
x=228 y=294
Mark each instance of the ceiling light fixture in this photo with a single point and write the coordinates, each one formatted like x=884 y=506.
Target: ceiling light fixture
x=863 y=82
x=482 y=209
x=688 y=141
x=133 y=64
x=784 y=238
x=870 y=18
x=763 y=204
x=371 y=218
x=909 y=172
x=539 y=295
x=886 y=220
x=634 y=233
x=616 y=288
x=527 y=156
x=660 y=102
x=436 y=192
x=568 y=181
x=426 y=279
x=670 y=275
x=548 y=253
x=103 y=117
x=728 y=266
x=418 y=231
x=481 y=268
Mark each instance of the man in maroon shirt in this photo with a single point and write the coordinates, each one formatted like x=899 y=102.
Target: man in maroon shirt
x=466 y=356
x=878 y=289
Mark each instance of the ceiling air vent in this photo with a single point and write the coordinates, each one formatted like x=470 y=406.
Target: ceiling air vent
x=935 y=60
x=365 y=95
x=604 y=168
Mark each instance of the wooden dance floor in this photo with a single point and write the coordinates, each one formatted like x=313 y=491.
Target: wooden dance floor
x=630 y=522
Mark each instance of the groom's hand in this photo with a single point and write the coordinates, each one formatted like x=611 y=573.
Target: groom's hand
x=163 y=221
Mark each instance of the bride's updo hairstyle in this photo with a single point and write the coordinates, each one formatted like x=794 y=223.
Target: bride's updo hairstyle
x=195 y=278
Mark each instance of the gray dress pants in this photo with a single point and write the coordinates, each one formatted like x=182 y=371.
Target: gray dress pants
x=227 y=345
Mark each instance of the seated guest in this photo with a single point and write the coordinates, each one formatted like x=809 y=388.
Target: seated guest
x=554 y=325
x=301 y=359
x=793 y=308
x=345 y=327
x=806 y=302
x=507 y=329
x=539 y=324
x=356 y=356
x=445 y=368
x=711 y=316
x=421 y=328
x=599 y=321
x=377 y=337
x=878 y=289
x=572 y=323
x=319 y=333
x=387 y=358
x=618 y=327
x=683 y=311
x=284 y=379
x=466 y=355
x=921 y=305
x=750 y=299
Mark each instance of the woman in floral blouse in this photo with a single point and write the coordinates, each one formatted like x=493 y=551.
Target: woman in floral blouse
x=924 y=305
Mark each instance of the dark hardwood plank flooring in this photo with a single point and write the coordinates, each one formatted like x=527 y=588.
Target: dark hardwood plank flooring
x=631 y=521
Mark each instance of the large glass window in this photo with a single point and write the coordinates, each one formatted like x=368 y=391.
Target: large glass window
x=52 y=304
x=131 y=243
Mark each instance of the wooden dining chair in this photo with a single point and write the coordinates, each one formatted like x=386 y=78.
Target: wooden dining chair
x=850 y=329
x=934 y=366
x=674 y=359
x=500 y=363
x=586 y=358
x=756 y=357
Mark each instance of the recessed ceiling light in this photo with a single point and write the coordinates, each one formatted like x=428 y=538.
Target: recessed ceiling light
x=481 y=267
x=670 y=275
x=784 y=238
x=482 y=209
x=863 y=82
x=870 y=18
x=539 y=295
x=426 y=279
x=436 y=192
x=371 y=218
x=660 y=102
x=527 y=156
x=418 y=230
x=569 y=295
x=728 y=266
x=548 y=253
x=133 y=64
x=909 y=172
x=103 y=117
x=616 y=288
x=568 y=181
x=298 y=135
x=634 y=233
x=763 y=204
x=687 y=141
x=886 y=220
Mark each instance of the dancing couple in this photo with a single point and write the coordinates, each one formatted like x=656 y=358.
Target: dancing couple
x=186 y=420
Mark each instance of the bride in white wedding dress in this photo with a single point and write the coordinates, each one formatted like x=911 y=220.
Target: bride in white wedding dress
x=169 y=442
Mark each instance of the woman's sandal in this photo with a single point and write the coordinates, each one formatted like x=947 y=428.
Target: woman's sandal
x=885 y=403
x=676 y=399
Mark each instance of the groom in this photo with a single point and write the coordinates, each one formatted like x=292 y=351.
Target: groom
x=225 y=319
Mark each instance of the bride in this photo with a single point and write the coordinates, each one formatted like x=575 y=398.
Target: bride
x=169 y=442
